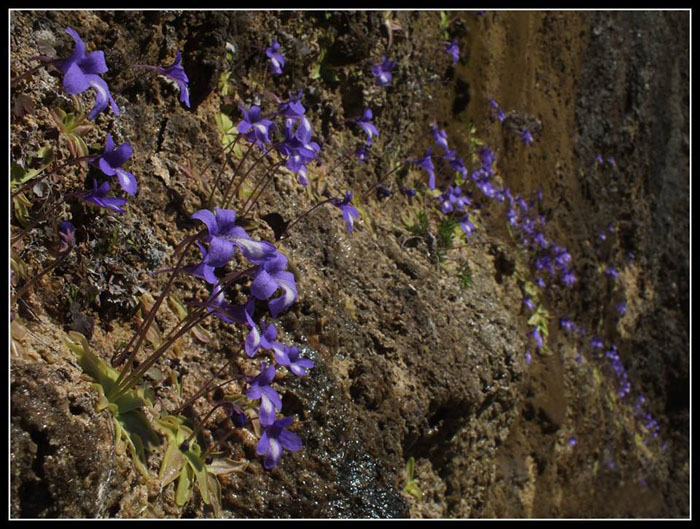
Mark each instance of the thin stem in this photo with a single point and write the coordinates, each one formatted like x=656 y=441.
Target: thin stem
x=123 y=384
x=224 y=199
x=215 y=183
x=218 y=443
x=240 y=182
x=41 y=274
x=186 y=443
x=379 y=181
x=143 y=329
x=307 y=212
x=203 y=389
x=37 y=178
x=43 y=58
x=271 y=174
x=34 y=223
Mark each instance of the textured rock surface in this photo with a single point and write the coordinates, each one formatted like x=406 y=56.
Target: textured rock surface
x=408 y=364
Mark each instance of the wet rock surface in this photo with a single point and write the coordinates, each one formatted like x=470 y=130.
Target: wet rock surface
x=407 y=362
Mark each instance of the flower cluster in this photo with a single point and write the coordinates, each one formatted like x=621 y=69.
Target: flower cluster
x=81 y=71
x=296 y=145
x=269 y=275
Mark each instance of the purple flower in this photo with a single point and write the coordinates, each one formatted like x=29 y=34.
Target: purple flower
x=596 y=342
x=366 y=123
x=289 y=356
x=224 y=236
x=466 y=225
x=276 y=58
x=456 y=163
x=266 y=340
x=362 y=153
x=540 y=240
x=611 y=272
x=202 y=270
x=242 y=314
x=527 y=302
x=275 y=438
x=269 y=399
x=111 y=161
x=526 y=136
x=98 y=196
x=298 y=147
x=269 y=277
x=572 y=441
x=568 y=278
x=567 y=325
x=453 y=49
x=426 y=163
x=562 y=258
x=408 y=191
x=382 y=71
x=453 y=200
x=440 y=137
x=350 y=213
x=293 y=108
x=80 y=72
x=177 y=73
x=599 y=158
x=621 y=308
x=499 y=113
x=236 y=413
x=528 y=357
x=487 y=158
x=535 y=333
x=254 y=128
x=217 y=304
x=66 y=232
x=383 y=191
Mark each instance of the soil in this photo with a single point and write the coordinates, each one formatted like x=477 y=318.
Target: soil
x=409 y=362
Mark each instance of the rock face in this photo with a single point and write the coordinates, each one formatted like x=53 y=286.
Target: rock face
x=408 y=362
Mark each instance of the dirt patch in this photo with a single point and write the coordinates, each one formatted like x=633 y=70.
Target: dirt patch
x=408 y=362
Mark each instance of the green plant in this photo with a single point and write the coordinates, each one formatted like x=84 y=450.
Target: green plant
x=411 y=481
x=132 y=428
x=187 y=466
x=73 y=126
x=464 y=273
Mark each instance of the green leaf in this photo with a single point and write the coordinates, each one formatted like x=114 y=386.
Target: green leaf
x=225 y=465
x=214 y=494
x=413 y=489
x=227 y=129
x=184 y=486
x=410 y=468
x=172 y=464
x=132 y=427
x=177 y=307
x=19 y=175
x=223 y=85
